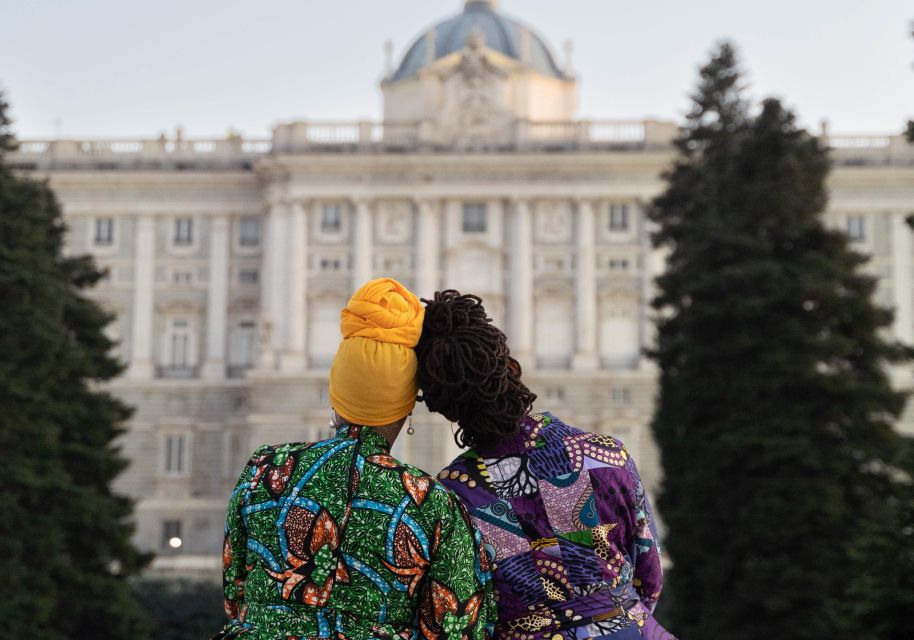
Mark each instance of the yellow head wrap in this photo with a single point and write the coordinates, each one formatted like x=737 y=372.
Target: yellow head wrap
x=373 y=376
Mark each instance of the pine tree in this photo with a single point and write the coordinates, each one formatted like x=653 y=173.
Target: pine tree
x=775 y=409
x=65 y=535
x=882 y=596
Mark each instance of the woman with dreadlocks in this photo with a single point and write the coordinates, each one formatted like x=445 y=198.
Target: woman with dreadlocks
x=563 y=512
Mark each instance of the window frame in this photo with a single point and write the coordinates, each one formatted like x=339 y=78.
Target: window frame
x=623 y=223
x=177 y=237
x=169 y=367
x=179 y=467
x=479 y=226
x=238 y=333
x=855 y=226
x=111 y=241
x=335 y=229
x=247 y=242
x=248 y=283
x=176 y=530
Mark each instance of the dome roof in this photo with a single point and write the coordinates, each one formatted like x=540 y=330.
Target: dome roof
x=499 y=32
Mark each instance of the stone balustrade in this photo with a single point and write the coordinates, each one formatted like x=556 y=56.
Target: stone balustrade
x=367 y=136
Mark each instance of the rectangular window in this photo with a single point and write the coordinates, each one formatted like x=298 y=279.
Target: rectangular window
x=249 y=232
x=618 y=217
x=183 y=277
x=553 y=265
x=331 y=217
x=555 y=394
x=856 y=228
x=180 y=343
x=475 y=218
x=622 y=396
x=247 y=335
x=394 y=264
x=618 y=264
x=176 y=454
x=331 y=264
x=104 y=232
x=248 y=276
x=184 y=232
x=171 y=534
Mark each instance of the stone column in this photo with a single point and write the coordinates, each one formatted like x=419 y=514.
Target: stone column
x=142 y=363
x=428 y=249
x=902 y=293
x=273 y=286
x=520 y=292
x=654 y=264
x=265 y=356
x=362 y=243
x=293 y=358
x=585 y=357
x=217 y=299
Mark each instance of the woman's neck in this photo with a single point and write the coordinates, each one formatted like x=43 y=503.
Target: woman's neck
x=389 y=431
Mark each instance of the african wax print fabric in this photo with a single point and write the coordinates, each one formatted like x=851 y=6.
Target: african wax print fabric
x=337 y=539
x=566 y=519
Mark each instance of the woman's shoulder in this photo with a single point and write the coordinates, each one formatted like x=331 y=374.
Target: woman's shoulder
x=286 y=454
x=421 y=486
x=554 y=428
x=282 y=449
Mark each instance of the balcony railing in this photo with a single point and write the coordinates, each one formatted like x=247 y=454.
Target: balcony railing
x=368 y=137
x=237 y=370
x=177 y=372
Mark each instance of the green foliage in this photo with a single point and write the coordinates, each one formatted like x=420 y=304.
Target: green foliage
x=64 y=536
x=181 y=609
x=7 y=141
x=775 y=413
x=882 y=598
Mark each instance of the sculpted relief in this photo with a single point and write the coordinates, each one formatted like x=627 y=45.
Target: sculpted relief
x=474 y=110
x=553 y=222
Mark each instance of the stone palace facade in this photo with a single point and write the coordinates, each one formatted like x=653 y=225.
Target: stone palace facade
x=229 y=260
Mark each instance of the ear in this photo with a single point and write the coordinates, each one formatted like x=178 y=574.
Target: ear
x=514 y=367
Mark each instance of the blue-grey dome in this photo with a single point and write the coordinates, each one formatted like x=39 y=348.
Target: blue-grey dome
x=501 y=33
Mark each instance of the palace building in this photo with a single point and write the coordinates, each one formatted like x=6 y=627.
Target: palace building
x=229 y=260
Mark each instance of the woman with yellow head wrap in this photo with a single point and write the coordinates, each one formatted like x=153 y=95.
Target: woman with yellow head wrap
x=381 y=326
x=338 y=538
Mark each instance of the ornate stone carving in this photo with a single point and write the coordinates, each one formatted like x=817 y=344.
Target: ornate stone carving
x=474 y=110
x=265 y=336
x=395 y=222
x=553 y=222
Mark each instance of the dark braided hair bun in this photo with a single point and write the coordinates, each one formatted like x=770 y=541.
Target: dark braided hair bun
x=466 y=372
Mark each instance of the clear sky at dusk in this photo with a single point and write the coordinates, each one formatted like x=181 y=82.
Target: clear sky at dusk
x=115 y=68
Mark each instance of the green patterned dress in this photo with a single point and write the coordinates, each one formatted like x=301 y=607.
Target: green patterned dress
x=337 y=539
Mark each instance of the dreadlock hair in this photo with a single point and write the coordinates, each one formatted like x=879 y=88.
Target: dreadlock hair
x=466 y=372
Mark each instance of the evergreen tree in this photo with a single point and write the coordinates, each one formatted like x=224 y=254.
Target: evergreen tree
x=882 y=597
x=775 y=409
x=65 y=535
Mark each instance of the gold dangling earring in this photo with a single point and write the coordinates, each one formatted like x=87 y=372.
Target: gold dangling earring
x=409 y=426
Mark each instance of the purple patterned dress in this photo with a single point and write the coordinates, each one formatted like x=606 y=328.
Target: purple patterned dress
x=566 y=518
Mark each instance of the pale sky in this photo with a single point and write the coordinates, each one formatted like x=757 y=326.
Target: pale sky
x=132 y=68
